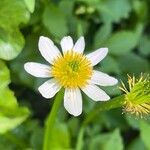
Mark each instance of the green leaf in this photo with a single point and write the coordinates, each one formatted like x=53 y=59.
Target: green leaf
x=122 y=42
x=113 y=118
x=12 y=118
x=67 y=4
x=132 y=121
x=55 y=21
x=144 y=45
x=136 y=66
x=104 y=106
x=102 y=34
x=13 y=13
x=4 y=75
x=137 y=144
x=145 y=132
x=60 y=138
x=110 y=65
x=11 y=115
x=28 y=135
x=11 y=45
x=30 y=5
x=7 y=99
x=112 y=90
x=114 y=10
x=107 y=141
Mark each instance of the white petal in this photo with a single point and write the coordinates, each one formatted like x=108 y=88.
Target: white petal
x=37 y=69
x=96 y=56
x=95 y=93
x=73 y=101
x=79 y=45
x=66 y=43
x=49 y=88
x=47 y=49
x=102 y=79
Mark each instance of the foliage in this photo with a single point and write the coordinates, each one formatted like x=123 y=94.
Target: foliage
x=120 y=25
x=9 y=109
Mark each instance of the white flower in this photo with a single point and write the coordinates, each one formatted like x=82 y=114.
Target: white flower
x=72 y=70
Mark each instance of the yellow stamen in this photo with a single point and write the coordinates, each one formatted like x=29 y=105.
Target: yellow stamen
x=134 y=103
x=139 y=110
x=72 y=69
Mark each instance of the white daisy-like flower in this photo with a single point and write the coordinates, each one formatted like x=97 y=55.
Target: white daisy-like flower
x=72 y=70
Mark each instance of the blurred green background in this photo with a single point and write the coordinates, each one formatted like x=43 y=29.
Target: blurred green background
x=121 y=25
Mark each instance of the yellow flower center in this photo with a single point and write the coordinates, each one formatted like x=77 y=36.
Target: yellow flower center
x=72 y=69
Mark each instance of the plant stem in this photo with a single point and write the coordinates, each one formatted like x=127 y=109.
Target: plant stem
x=51 y=120
x=111 y=104
x=79 y=144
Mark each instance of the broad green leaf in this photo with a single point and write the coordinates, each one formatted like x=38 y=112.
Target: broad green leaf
x=73 y=23
x=122 y=42
x=103 y=106
x=137 y=144
x=67 y=4
x=55 y=21
x=27 y=136
x=113 y=118
x=144 y=45
x=4 y=75
x=112 y=90
x=145 y=132
x=109 y=65
x=30 y=5
x=114 y=10
x=7 y=99
x=60 y=138
x=11 y=45
x=13 y=13
x=11 y=115
x=132 y=121
x=108 y=141
x=12 y=118
x=102 y=34
x=132 y=63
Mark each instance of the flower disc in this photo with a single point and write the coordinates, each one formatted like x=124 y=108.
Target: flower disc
x=72 y=69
